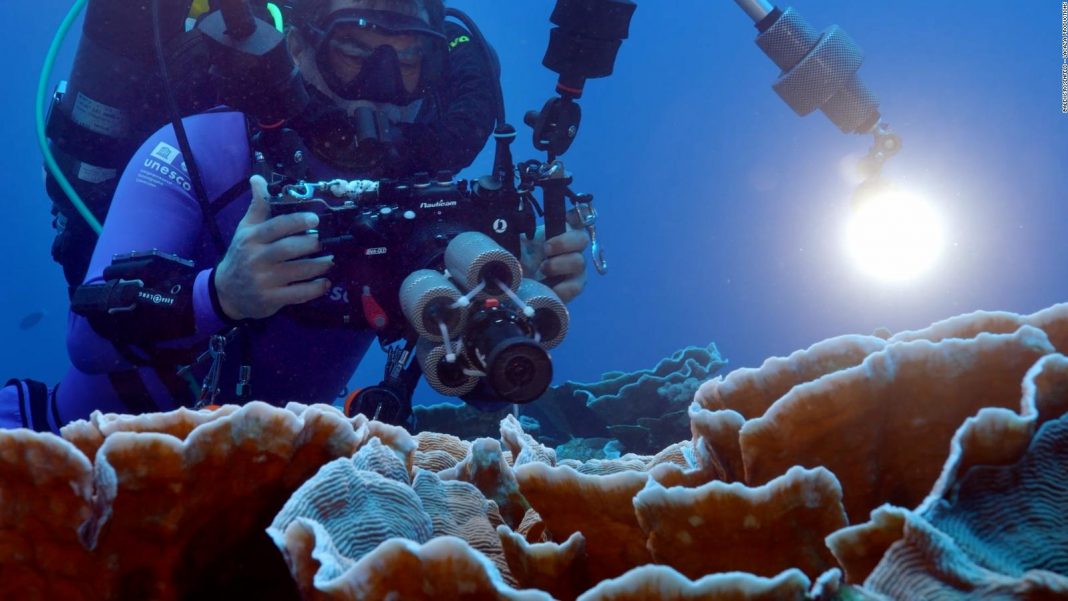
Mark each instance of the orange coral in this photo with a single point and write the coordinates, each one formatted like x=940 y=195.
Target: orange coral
x=601 y=507
x=433 y=461
x=859 y=548
x=751 y=391
x=486 y=468
x=881 y=427
x=443 y=568
x=175 y=505
x=717 y=446
x=164 y=508
x=722 y=527
x=40 y=553
x=994 y=523
x=437 y=452
x=447 y=443
x=89 y=435
x=533 y=527
x=1053 y=321
x=675 y=466
x=674 y=455
x=604 y=467
x=1001 y=437
x=182 y=506
x=523 y=447
x=559 y=569
x=662 y=582
x=396 y=438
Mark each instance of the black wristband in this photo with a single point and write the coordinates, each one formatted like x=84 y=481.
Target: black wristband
x=145 y=297
x=161 y=312
x=213 y=292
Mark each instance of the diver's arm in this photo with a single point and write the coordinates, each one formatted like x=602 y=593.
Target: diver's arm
x=154 y=208
x=467 y=114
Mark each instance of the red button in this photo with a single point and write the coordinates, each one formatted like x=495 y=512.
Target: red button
x=372 y=311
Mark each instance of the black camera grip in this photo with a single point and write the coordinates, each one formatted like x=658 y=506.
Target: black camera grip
x=555 y=212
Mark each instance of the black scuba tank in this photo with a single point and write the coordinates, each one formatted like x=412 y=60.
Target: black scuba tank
x=111 y=102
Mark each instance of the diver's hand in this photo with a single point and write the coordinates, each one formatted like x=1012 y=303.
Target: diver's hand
x=262 y=270
x=560 y=256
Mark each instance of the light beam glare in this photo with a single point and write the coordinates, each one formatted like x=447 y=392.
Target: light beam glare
x=894 y=236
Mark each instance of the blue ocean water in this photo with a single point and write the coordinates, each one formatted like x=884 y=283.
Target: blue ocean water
x=720 y=209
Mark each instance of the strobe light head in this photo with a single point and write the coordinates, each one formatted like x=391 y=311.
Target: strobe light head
x=586 y=40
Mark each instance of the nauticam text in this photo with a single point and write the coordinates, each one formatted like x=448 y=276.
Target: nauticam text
x=437 y=205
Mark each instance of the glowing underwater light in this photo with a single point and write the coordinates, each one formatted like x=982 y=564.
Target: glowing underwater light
x=894 y=236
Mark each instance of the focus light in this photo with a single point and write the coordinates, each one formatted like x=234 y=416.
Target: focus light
x=894 y=236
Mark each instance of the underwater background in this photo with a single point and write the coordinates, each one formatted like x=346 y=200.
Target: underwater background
x=922 y=462
x=720 y=209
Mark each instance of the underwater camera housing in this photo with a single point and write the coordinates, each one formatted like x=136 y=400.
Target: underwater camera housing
x=435 y=259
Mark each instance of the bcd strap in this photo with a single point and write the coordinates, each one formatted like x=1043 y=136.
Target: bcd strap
x=130 y=386
x=132 y=391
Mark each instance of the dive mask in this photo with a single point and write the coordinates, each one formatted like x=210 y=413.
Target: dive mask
x=382 y=68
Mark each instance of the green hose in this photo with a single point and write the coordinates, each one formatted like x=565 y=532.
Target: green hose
x=276 y=14
x=39 y=110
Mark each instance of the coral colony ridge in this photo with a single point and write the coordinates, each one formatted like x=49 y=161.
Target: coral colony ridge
x=928 y=464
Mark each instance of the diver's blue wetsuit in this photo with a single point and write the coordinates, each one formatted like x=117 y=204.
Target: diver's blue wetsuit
x=155 y=208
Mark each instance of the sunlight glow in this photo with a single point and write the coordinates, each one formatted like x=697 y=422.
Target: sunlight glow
x=894 y=236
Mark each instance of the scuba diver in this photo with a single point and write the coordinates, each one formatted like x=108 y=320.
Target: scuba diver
x=428 y=95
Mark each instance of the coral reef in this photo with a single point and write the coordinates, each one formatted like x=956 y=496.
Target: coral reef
x=487 y=468
x=660 y=582
x=636 y=412
x=878 y=426
x=764 y=530
x=171 y=505
x=993 y=524
x=559 y=569
x=918 y=465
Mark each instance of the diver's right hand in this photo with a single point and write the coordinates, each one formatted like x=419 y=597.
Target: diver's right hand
x=262 y=270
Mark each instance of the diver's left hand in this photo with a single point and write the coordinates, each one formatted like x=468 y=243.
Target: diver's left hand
x=560 y=256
